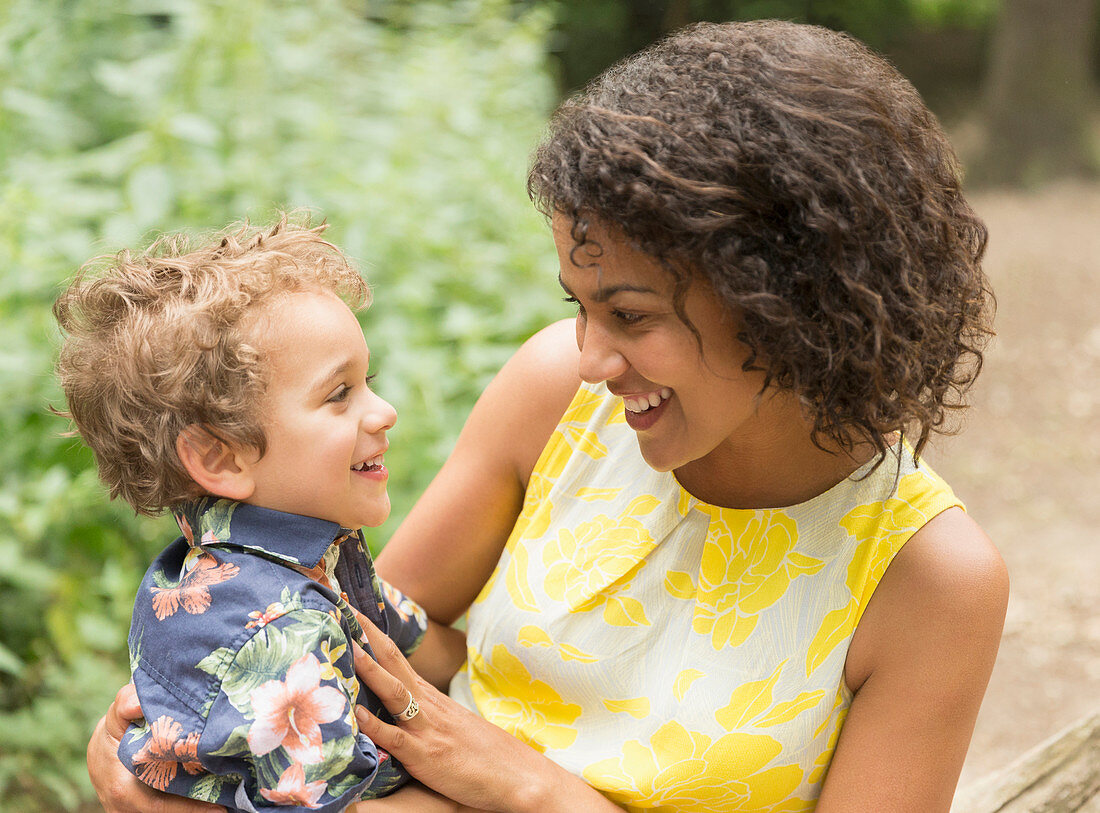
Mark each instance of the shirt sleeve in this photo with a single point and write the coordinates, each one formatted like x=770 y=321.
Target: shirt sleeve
x=282 y=731
x=406 y=619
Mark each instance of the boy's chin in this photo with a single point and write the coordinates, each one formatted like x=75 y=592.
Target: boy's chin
x=371 y=519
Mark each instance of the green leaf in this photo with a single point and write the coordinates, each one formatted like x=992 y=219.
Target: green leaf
x=209 y=786
x=217 y=662
x=266 y=656
x=218 y=517
x=336 y=755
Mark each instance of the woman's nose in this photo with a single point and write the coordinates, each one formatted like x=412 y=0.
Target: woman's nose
x=600 y=360
x=379 y=415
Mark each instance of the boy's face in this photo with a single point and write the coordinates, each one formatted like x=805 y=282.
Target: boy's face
x=326 y=430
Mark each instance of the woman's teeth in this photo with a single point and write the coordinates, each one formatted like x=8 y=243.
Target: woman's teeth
x=640 y=403
x=374 y=462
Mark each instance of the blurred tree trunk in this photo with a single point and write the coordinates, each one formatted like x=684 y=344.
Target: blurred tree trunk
x=1039 y=93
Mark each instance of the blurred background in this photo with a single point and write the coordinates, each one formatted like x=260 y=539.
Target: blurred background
x=408 y=126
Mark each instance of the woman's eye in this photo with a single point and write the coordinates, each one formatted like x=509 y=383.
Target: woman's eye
x=370 y=379
x=572 y=300
x=628 y=318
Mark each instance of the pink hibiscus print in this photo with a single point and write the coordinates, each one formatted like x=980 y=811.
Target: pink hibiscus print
x=289 y=713
x=293 y=790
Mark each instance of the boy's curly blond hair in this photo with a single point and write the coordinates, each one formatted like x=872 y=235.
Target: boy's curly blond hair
x=159 y=340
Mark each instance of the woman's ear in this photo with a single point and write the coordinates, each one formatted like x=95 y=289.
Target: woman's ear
x=215 y=466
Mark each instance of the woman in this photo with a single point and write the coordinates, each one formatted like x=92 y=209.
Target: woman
x=704 y=566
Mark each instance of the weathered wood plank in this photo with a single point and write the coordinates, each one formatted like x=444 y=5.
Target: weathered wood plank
x=1060 y=775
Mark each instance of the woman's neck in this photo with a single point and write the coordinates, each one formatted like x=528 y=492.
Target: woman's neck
x=771 y=462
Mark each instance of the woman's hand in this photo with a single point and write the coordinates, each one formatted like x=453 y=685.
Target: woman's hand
x=456 y=752
x=119 y=791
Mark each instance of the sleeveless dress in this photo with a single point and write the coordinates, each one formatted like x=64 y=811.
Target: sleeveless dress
x=677 y=655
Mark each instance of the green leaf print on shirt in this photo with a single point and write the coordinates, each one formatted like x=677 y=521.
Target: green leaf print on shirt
x=268 y=655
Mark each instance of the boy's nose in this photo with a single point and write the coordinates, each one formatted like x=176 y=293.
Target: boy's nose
x=379 y=415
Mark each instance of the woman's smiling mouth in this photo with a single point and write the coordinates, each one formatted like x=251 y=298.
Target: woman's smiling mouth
x=643 y=410
x=644 y=402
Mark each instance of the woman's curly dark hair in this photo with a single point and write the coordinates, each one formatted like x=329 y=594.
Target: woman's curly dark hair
x=803 y=177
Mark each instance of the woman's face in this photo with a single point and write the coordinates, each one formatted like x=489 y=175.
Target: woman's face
x=684 y=401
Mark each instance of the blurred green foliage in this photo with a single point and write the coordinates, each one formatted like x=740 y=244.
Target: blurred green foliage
x=120 y=118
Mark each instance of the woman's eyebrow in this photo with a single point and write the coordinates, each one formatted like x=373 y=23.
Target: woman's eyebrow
x=604 y=294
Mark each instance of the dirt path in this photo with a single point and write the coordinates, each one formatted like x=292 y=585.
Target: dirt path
x=1028 y=464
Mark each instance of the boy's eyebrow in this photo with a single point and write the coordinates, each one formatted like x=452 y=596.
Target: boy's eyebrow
x=604 y=294
x=325 y=380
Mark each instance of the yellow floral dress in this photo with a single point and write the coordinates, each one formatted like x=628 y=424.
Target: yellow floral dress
x=677 y=655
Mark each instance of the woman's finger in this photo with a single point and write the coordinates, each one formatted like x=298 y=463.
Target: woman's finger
x=388 y=737
x=394 y=693
x=386 y=652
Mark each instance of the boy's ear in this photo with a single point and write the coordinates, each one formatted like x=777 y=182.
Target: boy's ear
x=214 y=465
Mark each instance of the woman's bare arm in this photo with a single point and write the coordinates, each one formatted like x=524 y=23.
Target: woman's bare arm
x=440 y=654
x=919 y=663
x=447 y=547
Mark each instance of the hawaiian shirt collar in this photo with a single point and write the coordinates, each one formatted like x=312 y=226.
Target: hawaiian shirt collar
x=291 y=538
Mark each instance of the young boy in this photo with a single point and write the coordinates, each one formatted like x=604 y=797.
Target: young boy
x=228 y=383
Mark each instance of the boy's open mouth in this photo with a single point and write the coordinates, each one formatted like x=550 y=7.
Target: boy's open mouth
x=373 y=464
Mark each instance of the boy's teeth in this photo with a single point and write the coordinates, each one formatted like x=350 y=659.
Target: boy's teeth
x=367 y=464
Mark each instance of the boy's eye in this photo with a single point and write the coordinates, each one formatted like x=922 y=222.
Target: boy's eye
x=572 y=300
x=341 y=394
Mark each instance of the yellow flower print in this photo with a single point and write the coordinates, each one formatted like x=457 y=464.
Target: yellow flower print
x=534 y=519
x=686 y=772
x=746 y=567
x=573 y=436
x=330 y=670
x=515 y=580
x=684 y=681
x=836 y=720
x=751 y=704
x=879 y=529
x=529 y=709
x=328 y=666
x=530 y=635
x=888 y=524
x=636 y=707
x=573 y=429
x=593 y=494
x=583 y=562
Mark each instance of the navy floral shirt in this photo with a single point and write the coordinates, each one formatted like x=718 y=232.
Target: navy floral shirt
x=240 y=649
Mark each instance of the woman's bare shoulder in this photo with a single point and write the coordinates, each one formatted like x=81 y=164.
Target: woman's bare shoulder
x=919 y=664
x=525 y=401
x=547 y=362
x=947 y=588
